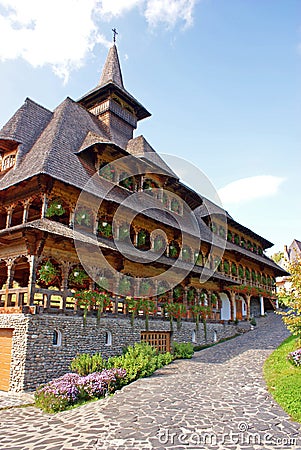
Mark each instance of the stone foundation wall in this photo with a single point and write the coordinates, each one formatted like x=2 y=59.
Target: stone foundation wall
x=36 y=360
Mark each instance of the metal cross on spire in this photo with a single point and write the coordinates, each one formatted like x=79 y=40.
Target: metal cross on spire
x=114 y=34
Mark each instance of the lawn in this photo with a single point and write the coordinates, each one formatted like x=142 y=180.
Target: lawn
x=284 y=379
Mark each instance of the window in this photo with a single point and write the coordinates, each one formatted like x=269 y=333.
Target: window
x=8 y=161
x=193 y=337
x=57 y=338
x=108 y=338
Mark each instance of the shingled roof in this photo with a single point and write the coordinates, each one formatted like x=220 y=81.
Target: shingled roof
x=111 y=72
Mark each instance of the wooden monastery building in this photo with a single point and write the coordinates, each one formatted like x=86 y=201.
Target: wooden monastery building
x=85 y=205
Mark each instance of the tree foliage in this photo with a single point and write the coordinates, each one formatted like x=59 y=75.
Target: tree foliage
x=291 y=298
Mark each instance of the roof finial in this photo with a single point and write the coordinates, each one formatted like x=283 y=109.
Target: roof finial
x=114 y=34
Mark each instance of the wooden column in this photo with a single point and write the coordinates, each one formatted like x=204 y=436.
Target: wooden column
x=248 y=306
x=233 y=306
x=32 y=259
x=44 y=206
x=10 y=264
x=9 y=216
x=26 y=205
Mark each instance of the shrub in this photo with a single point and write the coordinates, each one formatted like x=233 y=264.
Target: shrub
x=295 y=357
x=63 y=392
x=182 y=350
x=139 y=361
x=84 y=363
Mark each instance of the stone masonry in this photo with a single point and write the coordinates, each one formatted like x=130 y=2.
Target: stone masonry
x=36 y=360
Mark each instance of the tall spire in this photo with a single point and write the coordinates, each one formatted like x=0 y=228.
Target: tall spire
x=111 y=72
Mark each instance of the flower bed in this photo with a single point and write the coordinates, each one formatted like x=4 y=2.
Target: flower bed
x=295 y=357
x=70 y=389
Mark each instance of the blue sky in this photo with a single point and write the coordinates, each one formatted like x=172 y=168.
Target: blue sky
x=221 y=78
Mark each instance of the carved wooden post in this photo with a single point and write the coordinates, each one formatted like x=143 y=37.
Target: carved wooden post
x=9 y=216
x=44 y=206
x=233 y=305
x=32 y=259
x=26 y=205
x=65 y=266
x=248 y=306
x=10 y=264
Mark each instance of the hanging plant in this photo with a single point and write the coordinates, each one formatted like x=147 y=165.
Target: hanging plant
x=240 y=272
x=248 y=276
x=124 y=286
x=105 y=229
x=260 y=251
x=141 y=238
x=200 y=312
x=165 y=200
x=133 y=307
x=103 y=283
x=226 y=267
x=186 y=254
x=198 y=257
x=92 y=300
x=175 y=311
x=124 y=233
x=213 y=227
x=127 y=183
x=234 y=270
x=175 y=206
x=191 y=294
x=77 y=276
x=83 y=217
x=173 y=251
x=236 y=240
x=242 y=243
x=213 y=300
x=159 y=244
x=148 y=307
x=107 y=171
x=222 y=232
x=177 y=293
x=144 y=288
x=253 y=275
x=55 y=208
x=229 y=236
x=203 y=297
x=47 y=273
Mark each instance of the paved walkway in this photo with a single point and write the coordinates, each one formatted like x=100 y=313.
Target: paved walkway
x=217 y=400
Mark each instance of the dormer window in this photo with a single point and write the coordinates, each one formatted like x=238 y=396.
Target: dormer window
x=8 y=161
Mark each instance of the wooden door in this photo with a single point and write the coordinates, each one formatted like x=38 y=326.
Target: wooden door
x=6 y=337
x=239 y=309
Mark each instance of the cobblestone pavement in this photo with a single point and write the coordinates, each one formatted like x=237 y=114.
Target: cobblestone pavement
x=193 y=404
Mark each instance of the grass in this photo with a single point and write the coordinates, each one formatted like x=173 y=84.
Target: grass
x=283 y=379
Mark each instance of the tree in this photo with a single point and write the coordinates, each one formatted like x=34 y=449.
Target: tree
x=277 y=257
x=291 y=297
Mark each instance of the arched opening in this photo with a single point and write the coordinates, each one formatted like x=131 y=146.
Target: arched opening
x=226 y=306
x=126 y=181
x=186 y=253
x=241 y=272
x=21 y=271
x=198 y=258
x=108 y=338
x=58 y=211
x=178 y=293
x=150 y=186
x=191 y=296
x=125 y=287
x=3 y=216
x=105 y=228
x=234 y=270
x=159 y=244
x=49 y=274
x=255 y=307
x=56 y=338
x=193 y=337
x=78 y=278
x=143 y=240
x=83 y=218
x=174 y=249
x=17 y=215
x=204 y=298
x=35 y=210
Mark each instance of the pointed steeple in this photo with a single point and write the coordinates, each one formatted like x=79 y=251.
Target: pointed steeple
x=110 y=102
x=111 y=72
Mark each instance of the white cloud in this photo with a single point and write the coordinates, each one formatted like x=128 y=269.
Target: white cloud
x=169 y=12
x=61 y=33
x=248 y=189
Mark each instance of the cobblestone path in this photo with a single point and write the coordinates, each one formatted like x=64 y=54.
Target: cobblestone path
x=217 y=400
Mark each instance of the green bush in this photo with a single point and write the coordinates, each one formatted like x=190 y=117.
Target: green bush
x=182 y=350
x=139 y=361
x=85 y=363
